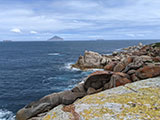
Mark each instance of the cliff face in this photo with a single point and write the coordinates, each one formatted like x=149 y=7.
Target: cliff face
x=139 y=100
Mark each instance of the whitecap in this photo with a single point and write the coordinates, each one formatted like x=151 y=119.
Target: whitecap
x=96 y=69
x=6 y=115
x=53 y=54
x=68 y=66
x=119 y=49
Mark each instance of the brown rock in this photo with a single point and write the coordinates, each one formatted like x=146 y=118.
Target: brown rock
x=97 y=79
x=48 y=102
x=35 y=108
x=148 y=72
x=134 y=78
x=122 y=74
x=90 y=60
x=99 y=90
x=79 y=88
x=119 y=67
x=127 y=61
x=110 y=66
x=139 y=53
x=118 y=80
x=110 y=84
x=130 y=72
x=137 y=63
x=97 y=84
x=156 y=59
x=91 y=91
x=68 y=97
x=122 y=81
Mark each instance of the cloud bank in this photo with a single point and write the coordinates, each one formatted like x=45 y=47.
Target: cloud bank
x=79 y=19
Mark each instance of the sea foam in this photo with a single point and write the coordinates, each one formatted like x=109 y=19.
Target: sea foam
x=6 y=115
x=53 y=54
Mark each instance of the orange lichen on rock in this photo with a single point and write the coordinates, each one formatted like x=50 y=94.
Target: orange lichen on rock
x=71 y=109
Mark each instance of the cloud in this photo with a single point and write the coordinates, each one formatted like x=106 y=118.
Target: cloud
x=16 y=30
x=72 y=19
x=131 y=35
x=33 y=32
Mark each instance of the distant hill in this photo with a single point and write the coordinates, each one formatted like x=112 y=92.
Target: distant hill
x=55 y=38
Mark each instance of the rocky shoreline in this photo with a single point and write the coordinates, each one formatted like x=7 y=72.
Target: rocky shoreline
x=132 y=64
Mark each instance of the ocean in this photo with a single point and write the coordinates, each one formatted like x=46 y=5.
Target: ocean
x=31 y=70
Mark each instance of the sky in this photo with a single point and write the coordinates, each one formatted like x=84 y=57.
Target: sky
x=27 y=20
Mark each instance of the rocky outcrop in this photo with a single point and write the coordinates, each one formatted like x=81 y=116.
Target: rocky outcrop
x=91 y=60
x=119 y=60
x=48 y=102
x=94 y=83
x=134 y=101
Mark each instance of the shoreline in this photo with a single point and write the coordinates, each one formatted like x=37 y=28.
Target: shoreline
x=114 y=75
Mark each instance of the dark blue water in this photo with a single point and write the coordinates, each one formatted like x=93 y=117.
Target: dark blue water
x=30 y=70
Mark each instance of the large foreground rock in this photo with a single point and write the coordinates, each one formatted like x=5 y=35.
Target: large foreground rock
x=134 y=101
x=48 y=102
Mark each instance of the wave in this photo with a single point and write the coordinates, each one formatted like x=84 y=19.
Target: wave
x=119 y=49
x=6 y=115
x=68 y=66
x=53 y=54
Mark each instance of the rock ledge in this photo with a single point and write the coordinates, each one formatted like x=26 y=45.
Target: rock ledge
x=138 y=100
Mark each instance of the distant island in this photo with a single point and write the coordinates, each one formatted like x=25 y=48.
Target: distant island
x=7 y=41
x=100 y=39
x=55 y=38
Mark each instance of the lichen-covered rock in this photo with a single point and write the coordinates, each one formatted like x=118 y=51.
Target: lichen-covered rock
x=135 y=101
